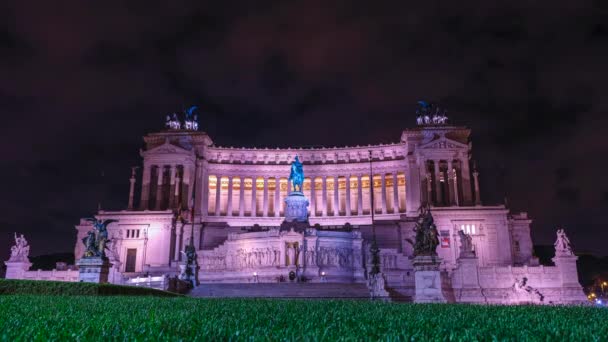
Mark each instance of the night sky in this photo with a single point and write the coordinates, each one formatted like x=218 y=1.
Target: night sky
x=82 y=81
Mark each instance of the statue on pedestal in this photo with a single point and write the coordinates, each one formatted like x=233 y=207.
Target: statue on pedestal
x=466 y=245
x=21 y=250
x=562 y=244
x=96 y=239
x=296 y=177
x=296 y=204
x=427 y=236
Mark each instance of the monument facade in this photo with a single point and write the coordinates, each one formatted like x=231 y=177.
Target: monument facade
x=264 y=214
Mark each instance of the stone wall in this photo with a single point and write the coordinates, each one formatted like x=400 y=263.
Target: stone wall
x=517 y=284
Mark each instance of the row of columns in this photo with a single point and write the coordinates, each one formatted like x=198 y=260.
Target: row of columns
x=179 y=179
x=456 y=177
x=335 y=197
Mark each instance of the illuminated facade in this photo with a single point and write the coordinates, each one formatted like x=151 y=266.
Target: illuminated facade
x=238 y=199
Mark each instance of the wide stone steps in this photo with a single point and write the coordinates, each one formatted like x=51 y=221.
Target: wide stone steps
x=282 y=290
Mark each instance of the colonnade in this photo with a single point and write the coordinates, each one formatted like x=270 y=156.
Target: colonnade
x=328 y=195
x=448 y=182
x=165 y=186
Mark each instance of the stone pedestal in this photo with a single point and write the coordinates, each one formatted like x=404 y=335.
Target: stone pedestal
x=427 y=279
x=465 y=281
x=93 y=270
x=571 y=290
x=296 y=207
x=16 y=269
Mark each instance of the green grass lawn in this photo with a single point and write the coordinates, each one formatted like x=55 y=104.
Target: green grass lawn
x=41 y=318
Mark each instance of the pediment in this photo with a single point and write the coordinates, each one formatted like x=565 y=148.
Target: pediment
x=167 y=148
x=443 y=143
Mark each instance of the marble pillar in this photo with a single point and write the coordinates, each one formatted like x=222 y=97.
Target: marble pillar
x=131 y=190
x=383 y=191
x=159 y=187
x=450 y=184
x=172 y=170
x=324 y=199
x=265 y=205
x=359 y=195
x=465 y=179
x=218 y=195
x=202 y=196
x=242 y=197
x=438 y=185
x=347 y=195
x=313 y=198
x=336 y=205
x=476 y=183
x=254 y=209
x=229 y=198
x=277 y=197
x=395 y=193
x=145 y=188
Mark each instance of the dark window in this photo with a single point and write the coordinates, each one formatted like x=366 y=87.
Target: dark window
x=131 y=256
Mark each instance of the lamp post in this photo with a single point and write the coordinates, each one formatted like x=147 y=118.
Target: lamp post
x=374 y=248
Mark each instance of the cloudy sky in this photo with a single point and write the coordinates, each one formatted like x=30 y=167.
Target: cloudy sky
x=82 y=81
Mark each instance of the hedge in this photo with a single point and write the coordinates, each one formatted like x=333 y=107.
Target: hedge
x=53 y=288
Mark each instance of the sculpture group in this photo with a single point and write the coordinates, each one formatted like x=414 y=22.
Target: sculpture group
x=190 y=121
x=96 y=240
x=430 y=114
x=21 y=250
x=562 y=244
x=427 y=237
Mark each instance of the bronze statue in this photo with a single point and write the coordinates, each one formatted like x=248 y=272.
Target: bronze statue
x=427 y=236
x=296 y=177
x=97 y=238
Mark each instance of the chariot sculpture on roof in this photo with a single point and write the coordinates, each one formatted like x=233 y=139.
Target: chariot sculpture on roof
x=190 y=120
x=430 y=114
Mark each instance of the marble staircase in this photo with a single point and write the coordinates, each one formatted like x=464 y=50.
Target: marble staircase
x=283 y=290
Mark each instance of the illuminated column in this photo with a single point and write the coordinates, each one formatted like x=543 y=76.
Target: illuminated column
x=324 y=199
x=176 y=191
x=178 y=240
x=383 y=191
x=145 y=188
x=254 y=209
x=413 y=186
x=429 y=187
x=359 y=196
x=476 y=182
x=172 y=185
x=229 y=204
x=218 y=194
x=188 y=182
x=465 y=179
x=347 y=203
x=277 y=197
x=313 y=198
x=450 y=187
x=438 y=183
x=131 y=189
x=395 y=193
x=455 y=184
x=336 y=197
x=159 y=187
x=202 y=197
x=242 y=197
x=265 y=196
